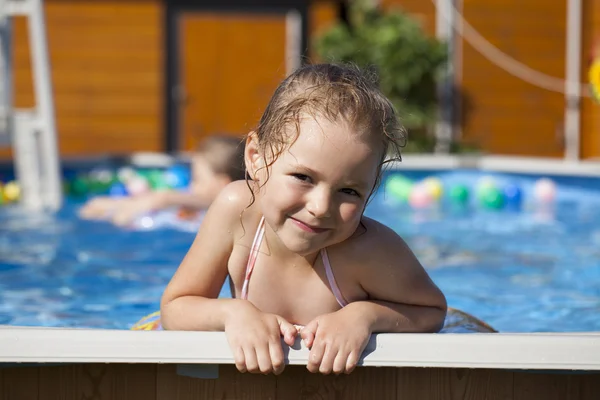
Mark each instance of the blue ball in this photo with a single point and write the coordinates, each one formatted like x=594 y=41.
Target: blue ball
x=178 y=177
x=513 y=195
x=118 y=190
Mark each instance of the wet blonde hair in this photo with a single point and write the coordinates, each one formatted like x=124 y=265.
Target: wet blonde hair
x=337 y=92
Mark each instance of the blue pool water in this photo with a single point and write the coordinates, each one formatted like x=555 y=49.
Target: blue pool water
x=526 y=270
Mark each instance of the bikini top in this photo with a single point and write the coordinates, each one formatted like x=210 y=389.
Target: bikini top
x=258 y=238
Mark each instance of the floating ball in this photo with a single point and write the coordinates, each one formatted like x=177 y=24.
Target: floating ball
x=434 y=186
x=484 y=184
x=177 y=177
x=492 y=198
x=118 y=189
x=11 y=191
x=157 y=180
x=544 y=190
x=79 y=186
x=420 y=197
x=101 y=175
x=459 y=194
x=399 y=187
x=137 y=185
x=513 y=195
x=124 y=174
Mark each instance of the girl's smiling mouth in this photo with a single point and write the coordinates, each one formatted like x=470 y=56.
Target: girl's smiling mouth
x=308 y=228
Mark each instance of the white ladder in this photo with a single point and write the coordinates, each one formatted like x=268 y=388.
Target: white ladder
x=31 y=131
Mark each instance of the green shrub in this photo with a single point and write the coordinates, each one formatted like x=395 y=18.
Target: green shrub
x=408 y=61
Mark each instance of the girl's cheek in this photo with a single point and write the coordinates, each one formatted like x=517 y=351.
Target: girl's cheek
x=350 y=212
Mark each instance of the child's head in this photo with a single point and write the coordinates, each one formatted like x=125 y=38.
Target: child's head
x=336 y=93
x=319 y=148
x=217 y=161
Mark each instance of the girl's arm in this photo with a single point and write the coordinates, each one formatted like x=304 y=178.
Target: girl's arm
x=402 y=296
x=190 y=299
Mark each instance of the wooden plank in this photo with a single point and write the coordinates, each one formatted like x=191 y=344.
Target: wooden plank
x=98 y=382
x=107 y=74
x=364 y=383
x=422 y=11
x=532 y=385
x=532 y=125
x=466 y=384
x=230 y=385
x=19 y=383
x=219 y=95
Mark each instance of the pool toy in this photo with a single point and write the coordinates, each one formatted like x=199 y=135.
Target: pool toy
x=513 y=195
x=177 y=177
x=544 y=190
x=118 y=189
x=137 y=185
x=173 y=218
x=459 y=195
x=157 y=180
x=79 y=186
x=492 y=198
x=126 y=173
x=11 y=192
x=457 y=321
x=434 y=187
x=594 y=77
x=399 y=187
x=420 y=197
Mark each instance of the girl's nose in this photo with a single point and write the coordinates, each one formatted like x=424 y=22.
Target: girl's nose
x=319 y=203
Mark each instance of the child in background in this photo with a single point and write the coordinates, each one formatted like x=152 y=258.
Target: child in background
x=217 y=161
x=294 y=241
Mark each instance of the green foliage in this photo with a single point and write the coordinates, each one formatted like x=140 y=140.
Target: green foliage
x=407 y=60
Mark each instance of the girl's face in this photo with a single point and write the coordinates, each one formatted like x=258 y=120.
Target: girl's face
x=316 y=191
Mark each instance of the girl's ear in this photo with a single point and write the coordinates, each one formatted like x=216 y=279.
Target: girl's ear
x=252 y=156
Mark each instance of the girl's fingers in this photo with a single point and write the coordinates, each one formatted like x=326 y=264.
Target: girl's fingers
x=277 y=359
x=351 y=361
x=315 y=357
x=240 y=359
x=263 y=357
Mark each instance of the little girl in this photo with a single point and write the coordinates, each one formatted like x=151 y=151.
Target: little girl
x=293 y=239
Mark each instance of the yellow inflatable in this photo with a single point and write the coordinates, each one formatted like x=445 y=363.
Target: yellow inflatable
x=594 y=77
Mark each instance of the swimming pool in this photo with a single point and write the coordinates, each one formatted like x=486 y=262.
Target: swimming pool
x=526 y=270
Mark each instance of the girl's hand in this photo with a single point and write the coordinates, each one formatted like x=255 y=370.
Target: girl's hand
x=255 y=339
x=336 y=341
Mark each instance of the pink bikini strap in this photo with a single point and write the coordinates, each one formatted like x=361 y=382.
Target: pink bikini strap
x=258 y=238
x=332 y=282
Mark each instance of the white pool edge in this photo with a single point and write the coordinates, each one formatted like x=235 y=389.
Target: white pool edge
x=551 y=351
x=522 y=165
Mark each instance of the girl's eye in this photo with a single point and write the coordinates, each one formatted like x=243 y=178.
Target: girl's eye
x=301 y=177
x=351 y=192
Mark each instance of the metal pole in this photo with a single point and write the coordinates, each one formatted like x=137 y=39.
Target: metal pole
x=445 y=32
x=5 y=77
x=51 y=183
x=573 y=78
x=293 y=43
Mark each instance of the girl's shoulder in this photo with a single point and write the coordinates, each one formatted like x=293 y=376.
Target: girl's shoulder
x=372 y=243
x=235 y=206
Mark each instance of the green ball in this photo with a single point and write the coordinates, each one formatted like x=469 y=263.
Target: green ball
x=79 y=187
x=399 y=187
x=157 y=180
x=459 y=194
x=492 y=198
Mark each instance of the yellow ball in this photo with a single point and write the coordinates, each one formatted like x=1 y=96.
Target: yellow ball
x=434 y=187
x=11 y=191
